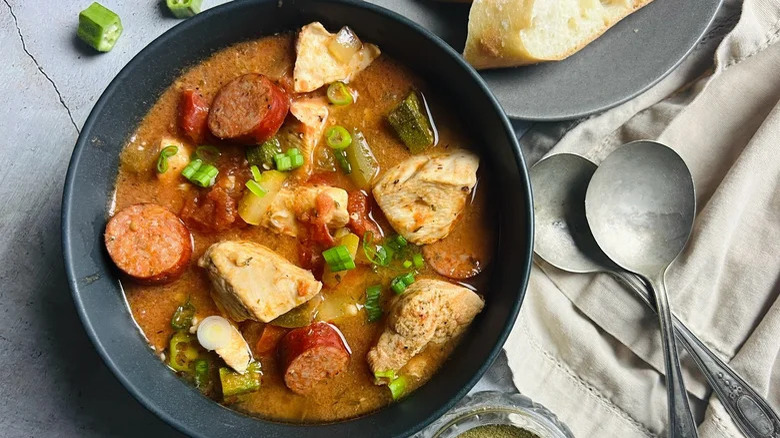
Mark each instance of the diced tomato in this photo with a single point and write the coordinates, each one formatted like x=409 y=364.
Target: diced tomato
x=359 y=208
x=193 y=115
x=212 y=211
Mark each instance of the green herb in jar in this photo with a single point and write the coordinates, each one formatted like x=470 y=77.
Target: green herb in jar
x=497 y=431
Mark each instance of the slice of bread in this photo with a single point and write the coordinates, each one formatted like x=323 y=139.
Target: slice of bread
x=506 y=33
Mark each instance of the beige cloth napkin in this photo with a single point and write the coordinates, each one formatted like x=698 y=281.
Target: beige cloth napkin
x=586 y=348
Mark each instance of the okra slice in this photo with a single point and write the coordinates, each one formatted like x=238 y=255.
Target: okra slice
x=411 y=123
x=99 y=27
x=184 y=8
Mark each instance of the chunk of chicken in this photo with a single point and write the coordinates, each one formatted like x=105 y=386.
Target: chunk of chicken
x=423 y=196
x=315 y=66
x=312 y=114
x=429 y=311
x=236 y=353
x=176 y=162
x=251 y=281
x=291 y=204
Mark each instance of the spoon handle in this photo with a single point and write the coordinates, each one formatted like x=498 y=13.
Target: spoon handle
x=681 y=423
x=750 y=411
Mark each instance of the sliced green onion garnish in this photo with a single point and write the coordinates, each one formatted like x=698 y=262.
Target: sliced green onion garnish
x=338 y=258
x=162 y=160
x=263 y=155
x=256 y=174
x=389 y=375
x=338 y=137
x=200 y=174
x=184 y=8
x=407 y=264
x=256 y=188
x=376 y=254
x=418 y=261
x=338 y=94
x=191 y=168
x=400 y=283
x=341 y=158
x=99 y=27
x=373 y=309
x=283 y=162
x=397 y=242
x=397 y=387
x=296 y=159
x=208 y=153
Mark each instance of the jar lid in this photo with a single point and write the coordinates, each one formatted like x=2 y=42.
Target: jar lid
x=497 y=408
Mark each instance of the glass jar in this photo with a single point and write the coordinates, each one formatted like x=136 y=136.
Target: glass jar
x=497 y=408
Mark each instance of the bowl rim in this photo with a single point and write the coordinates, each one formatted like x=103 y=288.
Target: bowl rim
x=199 y=20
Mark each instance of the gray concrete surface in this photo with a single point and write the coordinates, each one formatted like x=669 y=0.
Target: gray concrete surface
x=52 y=383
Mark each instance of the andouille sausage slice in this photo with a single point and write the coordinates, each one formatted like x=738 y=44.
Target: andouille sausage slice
x=149 y=243
x=312 y=354
x=248 y=109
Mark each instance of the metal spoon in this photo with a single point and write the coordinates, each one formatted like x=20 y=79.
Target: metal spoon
x=640 y=206
x=564 y=240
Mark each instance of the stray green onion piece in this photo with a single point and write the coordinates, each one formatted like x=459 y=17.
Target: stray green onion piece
x=208 y=153
x=338 y=94
x=407 y=264
x=256 y=188
x=338 y=258
x=418 y=261
x=376 y=254
x=283 y=162
x=397 y=387
x=256 y=174
x=400 y=283
x=200 y=174
x=182 y=317
x=99 y=27
x=373 y=309
x=341 y=158
x=397 y=242
x=184 y=8
x=338 y=137
x=162 y=161
x=387 y=374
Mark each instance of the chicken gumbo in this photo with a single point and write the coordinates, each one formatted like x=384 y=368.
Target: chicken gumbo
x=299 y=227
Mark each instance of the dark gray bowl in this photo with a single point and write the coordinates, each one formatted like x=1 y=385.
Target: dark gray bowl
x=89 y=184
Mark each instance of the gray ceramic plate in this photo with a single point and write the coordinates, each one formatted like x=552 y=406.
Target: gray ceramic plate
x=635 y=54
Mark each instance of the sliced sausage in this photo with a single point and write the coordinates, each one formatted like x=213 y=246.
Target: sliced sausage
x=458 y=265
x=149 y=243
x=249 y=109
x=312 y=354
x=193 y=115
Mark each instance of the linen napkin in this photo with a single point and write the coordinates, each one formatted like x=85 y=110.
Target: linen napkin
x=583 y=345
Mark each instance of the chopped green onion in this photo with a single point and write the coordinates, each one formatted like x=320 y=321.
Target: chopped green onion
x=401 y=282
x=397 y=387
x=418 y=261
x=99 y=27
x=200 y=174
x=407 y=264
x=263 y=155
x=162 y=161
x=341 y=158
x=296 y=159
x=382 y=376
x=201 y=373
x=338 y=94
x=376 y=254
x=182 y=317
x=256 y=174
x=283 y=162
x=338 y=137
x=293 y=152
x=397 y=242
x=207 y=153
x=184 y=8
x=256 y=188
x=338 y=258
x=373 y=309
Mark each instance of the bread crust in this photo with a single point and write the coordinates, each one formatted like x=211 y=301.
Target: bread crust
x=491 y=43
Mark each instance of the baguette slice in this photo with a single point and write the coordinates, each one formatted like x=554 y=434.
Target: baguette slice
x=507 y=33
